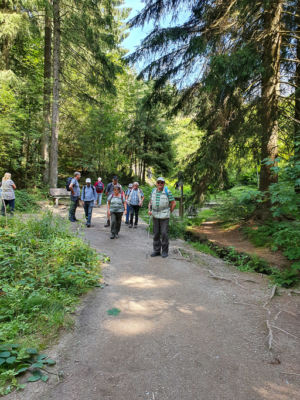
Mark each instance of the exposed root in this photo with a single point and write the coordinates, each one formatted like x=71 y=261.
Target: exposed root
x=289 y=373
x=287 y=333
x=219 y=278
x=271 y=296
x=270 y=335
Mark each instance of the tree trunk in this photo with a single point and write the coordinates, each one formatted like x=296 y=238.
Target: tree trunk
x=270 y=91
x=47 y=95
x=297 y=97
x=144 y=172
x=56 y=90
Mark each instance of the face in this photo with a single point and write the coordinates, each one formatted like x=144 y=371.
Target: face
x=115 y=181
x=160 y=185
x=88 y=184
x=116 y=191
x=135 y=186
x=78 y=177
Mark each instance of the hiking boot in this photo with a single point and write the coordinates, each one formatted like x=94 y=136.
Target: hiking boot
x=164 y=255
x=107 y=224
x=130 y=226
x=117 y=236
x=135 y=226
x=112 y=236
x=155 y=254
x=88 y=225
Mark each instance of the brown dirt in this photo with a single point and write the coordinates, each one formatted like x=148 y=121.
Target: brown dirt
x=233 y=237
x=180 y=335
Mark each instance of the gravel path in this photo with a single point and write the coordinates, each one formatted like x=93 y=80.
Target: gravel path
x=180 y=335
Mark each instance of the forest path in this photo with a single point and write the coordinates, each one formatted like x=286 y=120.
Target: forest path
x=180 y=335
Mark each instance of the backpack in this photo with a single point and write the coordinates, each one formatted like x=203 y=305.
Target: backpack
x=99 y=187
x=68 y=183
x=84 y=191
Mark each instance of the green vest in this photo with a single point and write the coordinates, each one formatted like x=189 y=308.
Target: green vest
x=161 y=210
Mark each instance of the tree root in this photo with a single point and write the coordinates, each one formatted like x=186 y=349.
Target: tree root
x=270 y=335
x=274 y=288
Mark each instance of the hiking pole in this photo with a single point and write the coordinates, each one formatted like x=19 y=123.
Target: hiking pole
x=148 y=244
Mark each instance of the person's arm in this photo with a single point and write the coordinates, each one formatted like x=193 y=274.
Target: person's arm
x=82 y=195
x=106 y=191
x=142 y=199
x=150 y=208
x=71 y=188
x=14 y=186
x=108 y=208
x=172 y=205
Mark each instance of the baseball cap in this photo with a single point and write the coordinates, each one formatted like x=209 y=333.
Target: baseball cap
x=130 y=185
x=115 y=177
x=88 y=180
x=160 y=179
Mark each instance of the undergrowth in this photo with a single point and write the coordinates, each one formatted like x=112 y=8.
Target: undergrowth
x=43 y=268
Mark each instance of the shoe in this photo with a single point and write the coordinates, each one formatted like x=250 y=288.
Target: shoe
x=155 y=254
x=126 y=223
x=130 y=226
x=88 y=225
x=164 y=255
x=72 y=220
x=112 y=236
x=107 y=224
x=135 y=226
x=117 y=236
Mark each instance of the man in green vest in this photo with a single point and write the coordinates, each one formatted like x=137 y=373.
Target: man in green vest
x=161 y=204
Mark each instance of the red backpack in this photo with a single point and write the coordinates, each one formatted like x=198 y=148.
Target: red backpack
x=99 y=187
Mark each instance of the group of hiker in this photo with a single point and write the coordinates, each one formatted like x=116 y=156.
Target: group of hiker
x=161 y=205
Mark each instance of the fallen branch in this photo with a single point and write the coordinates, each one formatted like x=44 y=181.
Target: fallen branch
x=270 y=335
x=220 y=278
x=295 y=292
x=271 y=296
x=245 y=304
x=287 y=333
x=289 y=373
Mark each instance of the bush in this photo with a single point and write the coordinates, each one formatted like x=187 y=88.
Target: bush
x=43 y=268
x=25 y=202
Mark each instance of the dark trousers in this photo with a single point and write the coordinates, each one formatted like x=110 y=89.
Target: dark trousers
x=116 y=219
x=10 y=203
x=161 y=235
x=73 y=205
x=134 y=211
x=128 y=213
x=88 y=209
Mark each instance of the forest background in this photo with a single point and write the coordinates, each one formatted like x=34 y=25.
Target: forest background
x=216 y=102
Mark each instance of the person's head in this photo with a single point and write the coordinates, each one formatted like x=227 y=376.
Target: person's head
x=130 y=185
x=160 y=183
x=99 y=179
x=6 y=176
x=115 y=179
x=117 y=189
x=77 y=175
x=135 y=185
x=88 y=182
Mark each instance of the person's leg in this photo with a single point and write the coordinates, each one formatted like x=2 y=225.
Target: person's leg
x=72 y=208
x=119 y=221
x=3 y=208
x=165 y=236
x=136 y=213
x=90 y=211
x=76 y=205
x=86 y=210
x=127 y=214
x=113 y=225
x=156 y=236
x=100 y=199
x=11 y=206
x=131 y=216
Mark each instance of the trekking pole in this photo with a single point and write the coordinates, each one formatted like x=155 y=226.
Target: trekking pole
x=148 y=244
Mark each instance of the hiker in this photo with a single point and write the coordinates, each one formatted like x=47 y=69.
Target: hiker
x=109 y=190
x=88 y=196
x=135 y=200
x=116 y=206
x=99 y=186
x=161 y=204
x=75 y=195
x=128 y=206
x=8 y=194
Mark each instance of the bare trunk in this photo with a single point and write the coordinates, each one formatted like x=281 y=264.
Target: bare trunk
x=270 y=92
x=297 y=98
x=47 y=97
x=144 y=172
x=56 y=90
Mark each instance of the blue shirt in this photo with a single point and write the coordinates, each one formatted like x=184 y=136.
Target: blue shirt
x=76 y=187
x=88 y=193
x=134 y=199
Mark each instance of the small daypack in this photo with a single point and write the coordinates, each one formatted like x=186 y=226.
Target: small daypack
x=99 y=187
x=68 y=183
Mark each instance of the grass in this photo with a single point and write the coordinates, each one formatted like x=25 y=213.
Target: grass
x=44 y=268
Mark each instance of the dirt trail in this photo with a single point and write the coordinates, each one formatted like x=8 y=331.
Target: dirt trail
x=180 y=335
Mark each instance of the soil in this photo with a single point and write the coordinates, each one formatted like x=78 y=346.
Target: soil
x=234 y=237
x=183 y=332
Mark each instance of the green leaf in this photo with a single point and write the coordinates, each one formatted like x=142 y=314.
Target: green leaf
x=2 y=361
x=31 y=351
x=41 y=357
x=11 y=360
x=21 y=370
x=49 y=361
x=5 y=354
x=44 y=378
x=34 y=378
x=37 y=365
x=113 y=311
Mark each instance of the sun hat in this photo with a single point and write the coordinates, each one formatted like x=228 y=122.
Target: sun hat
x=160 y=179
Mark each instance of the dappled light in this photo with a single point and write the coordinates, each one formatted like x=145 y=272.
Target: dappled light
x=274 y=391
x=147 y=282
x=130 y=326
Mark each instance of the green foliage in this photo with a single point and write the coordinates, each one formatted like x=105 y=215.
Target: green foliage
x=44 y=268
x=287 y=277
x=16 y=360
x=25 y=202
x=203 y=248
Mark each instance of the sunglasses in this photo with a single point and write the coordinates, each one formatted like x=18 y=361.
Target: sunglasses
x=160 y=182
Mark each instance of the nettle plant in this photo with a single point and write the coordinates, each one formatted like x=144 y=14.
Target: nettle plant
x=16 y=361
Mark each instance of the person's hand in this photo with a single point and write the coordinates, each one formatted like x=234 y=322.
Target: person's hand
x=125 y=212
x=149 y=212
x=141 y=204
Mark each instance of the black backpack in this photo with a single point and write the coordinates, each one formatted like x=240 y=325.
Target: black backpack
x=68 y=183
